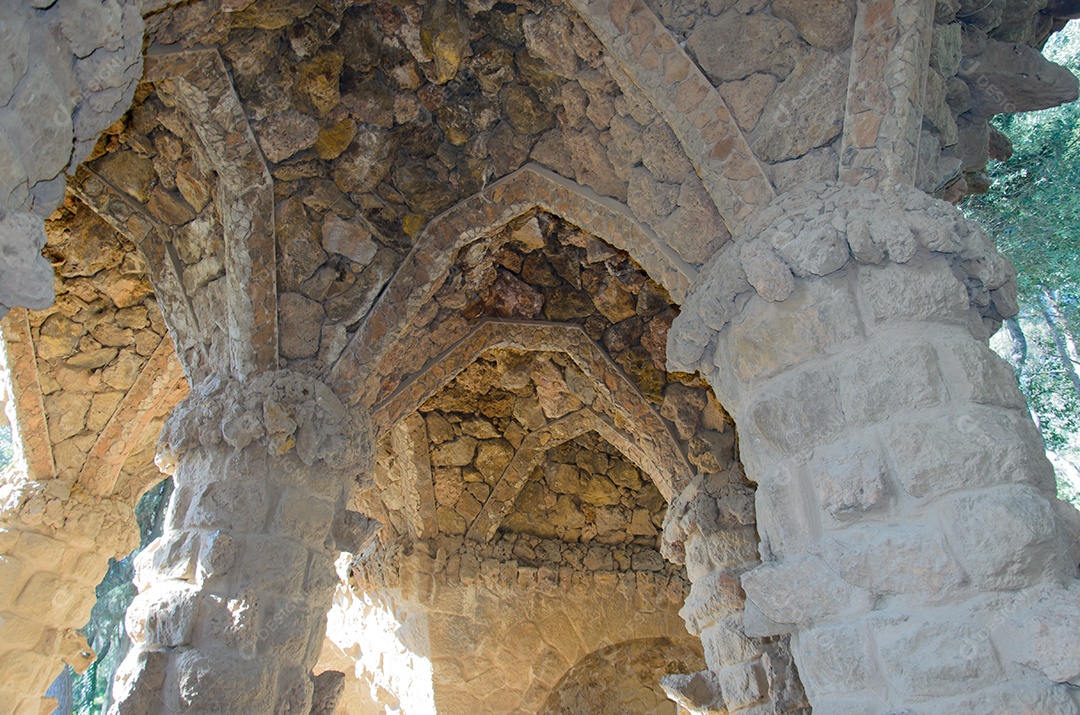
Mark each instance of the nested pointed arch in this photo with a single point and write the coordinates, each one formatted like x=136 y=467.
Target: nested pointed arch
x=532 y=454
x=653 y=446
x=425 y=268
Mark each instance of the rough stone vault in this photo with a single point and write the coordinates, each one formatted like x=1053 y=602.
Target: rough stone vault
x=447 y=315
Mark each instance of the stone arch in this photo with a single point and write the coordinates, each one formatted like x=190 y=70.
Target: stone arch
x=532 y=453
x=241 y=191
x=426 y=266
x=512 y=629
x=204 y=91
x=617 y=678
x=655 y=445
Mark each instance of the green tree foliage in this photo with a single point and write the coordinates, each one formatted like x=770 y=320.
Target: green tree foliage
x=105 y=631
x=1033 y=213
x=5 y=447
x=1032 y=208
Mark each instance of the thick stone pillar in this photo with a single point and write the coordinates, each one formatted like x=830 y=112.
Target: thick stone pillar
x=230 y=617
x=710 y=529
x=910 y=538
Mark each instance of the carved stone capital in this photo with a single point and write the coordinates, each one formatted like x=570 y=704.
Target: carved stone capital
x=286 y=412
x=821 y=230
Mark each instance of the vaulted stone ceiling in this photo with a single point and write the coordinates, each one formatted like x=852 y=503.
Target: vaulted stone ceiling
x=505 y=406
x=427 y=205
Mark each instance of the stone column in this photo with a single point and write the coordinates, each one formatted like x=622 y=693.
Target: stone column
x=230 y=617
x=710 y=529
x=910 y=537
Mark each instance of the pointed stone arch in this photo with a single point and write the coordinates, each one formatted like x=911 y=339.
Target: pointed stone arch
x=636 y=429
x=532 y=453
x=427 y=265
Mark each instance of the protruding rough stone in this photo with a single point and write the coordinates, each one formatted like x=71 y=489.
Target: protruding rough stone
x=1008 y=77
x=25 y=277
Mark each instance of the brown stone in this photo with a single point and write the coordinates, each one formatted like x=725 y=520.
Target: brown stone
x=335 y=139
x=564 y=303
x=615 y=302
x=492 y=457
x=129 y=172
x=458 y=453
x=169 y=207
x=91 y=359
x=562 y=478
x=286 y=133
x=317 y=82
x=638 y=365
x=525 y=111
x=371 y=102
x=300 y=321
x=299 y=250
x=510 y=297
x=826 y=24
x=350 y=239
x=734 y=46
x=622 y=335
x=625 y=475
x=444 y=34
x=556 y=398
x=366 y=162
x=192 y=185
x=683 y=406
x=599 y=490
x=654 y=337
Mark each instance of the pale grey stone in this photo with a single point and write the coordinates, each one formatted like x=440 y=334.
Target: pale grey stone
x=1003 y=536
x=26 y=278
x=14 y=57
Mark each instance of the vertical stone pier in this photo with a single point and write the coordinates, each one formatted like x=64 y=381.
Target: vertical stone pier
x=710 y=529
x=907 y=513
x=231 y=613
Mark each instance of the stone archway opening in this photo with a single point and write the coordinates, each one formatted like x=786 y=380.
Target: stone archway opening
x=619 y=679
x=530 y=442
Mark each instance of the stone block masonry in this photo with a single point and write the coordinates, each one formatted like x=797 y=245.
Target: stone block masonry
x=907 y=575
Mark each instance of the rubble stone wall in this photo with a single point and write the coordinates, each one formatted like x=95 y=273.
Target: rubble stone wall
x=621 y=678
x=91 y=379
x=479 y=219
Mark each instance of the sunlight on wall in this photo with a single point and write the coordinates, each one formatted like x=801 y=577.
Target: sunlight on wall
x=398 y=678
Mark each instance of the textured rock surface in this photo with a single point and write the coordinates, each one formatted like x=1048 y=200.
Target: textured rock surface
x=904 y=294
x=241 y=580
x=25 y=279
x=478 y=221
x=90 y=379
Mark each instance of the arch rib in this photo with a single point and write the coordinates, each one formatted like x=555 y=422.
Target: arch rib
x=426 y=267
x=205 y=93
x=679 y=91
x=531 y=454
x=660 y=454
